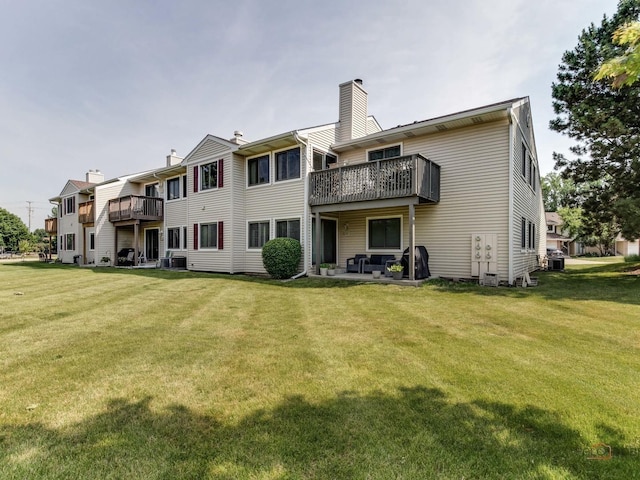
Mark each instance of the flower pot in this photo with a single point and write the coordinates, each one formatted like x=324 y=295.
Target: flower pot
x=331 y=272
x=323 y=271
x=376 y=273
x=397 y=275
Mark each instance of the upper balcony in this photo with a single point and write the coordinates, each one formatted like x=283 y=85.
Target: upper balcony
x=408 y=176
x=51 y=225
x=86 y=212
x=135 y=207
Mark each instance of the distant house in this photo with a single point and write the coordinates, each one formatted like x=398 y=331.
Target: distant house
x=558 y=238
x=75 y=222
x=626 y=247
x=465 y=186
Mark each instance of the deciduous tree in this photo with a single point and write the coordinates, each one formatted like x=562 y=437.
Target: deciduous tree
x=624 y=69
x=12 y=230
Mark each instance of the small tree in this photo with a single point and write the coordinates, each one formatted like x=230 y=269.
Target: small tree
x=571 y=221
x=25 y=247
x=281 y=257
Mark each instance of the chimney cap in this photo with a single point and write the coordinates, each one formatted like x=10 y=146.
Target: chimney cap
x=238 y=134
x=358 y=81
x=173 y=151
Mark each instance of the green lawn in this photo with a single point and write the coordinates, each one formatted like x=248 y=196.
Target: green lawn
x=109 y=373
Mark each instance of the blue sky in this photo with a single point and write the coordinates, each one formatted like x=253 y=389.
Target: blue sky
x=116 y=85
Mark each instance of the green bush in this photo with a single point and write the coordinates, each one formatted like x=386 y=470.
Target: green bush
x=281 y=257
x=632 y=258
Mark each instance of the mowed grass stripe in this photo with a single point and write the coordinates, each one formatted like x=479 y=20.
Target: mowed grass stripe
x=185 y=375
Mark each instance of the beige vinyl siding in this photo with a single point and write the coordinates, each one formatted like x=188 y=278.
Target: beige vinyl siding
x=278 y=200
x=372 y=126
x=474 y=197
x=69 y=224
x=209 y=206
x=208 y=149
x=323 y=139
x=175 y=215
x=352 y=112
x=352 y=231
x=237 y=228
x=527 y=202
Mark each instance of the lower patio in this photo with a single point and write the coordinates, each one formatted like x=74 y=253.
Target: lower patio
x=368 y=277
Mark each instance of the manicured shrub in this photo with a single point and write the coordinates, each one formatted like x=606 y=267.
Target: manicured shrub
x=281 y=257
x=632 y=258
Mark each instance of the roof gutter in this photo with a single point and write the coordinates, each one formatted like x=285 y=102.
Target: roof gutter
x=403 y=129
x=512 y=121
x=305 y=216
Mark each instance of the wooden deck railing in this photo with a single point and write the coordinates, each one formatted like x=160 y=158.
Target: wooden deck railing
x=411 y=175
x=51 y=225
x=86 y=212
x=135 y=207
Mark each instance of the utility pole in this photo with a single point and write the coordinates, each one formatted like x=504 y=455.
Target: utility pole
x=30 y=210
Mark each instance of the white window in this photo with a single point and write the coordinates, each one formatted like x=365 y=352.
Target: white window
x=70 y=239
x=69 y=205
x=287 y=164
x=384 y=233
x=258 y=234
x=323 y=160
x=152 y=190
x=258 y=171
x=208 y=235
x=173 y=238
x=288 y=228
x=173 y=188
x=209 y=176
x=382 y=153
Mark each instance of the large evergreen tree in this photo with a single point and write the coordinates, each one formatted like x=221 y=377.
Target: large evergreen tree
x=605 y=123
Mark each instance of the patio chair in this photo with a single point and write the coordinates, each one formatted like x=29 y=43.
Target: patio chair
x=354 y=264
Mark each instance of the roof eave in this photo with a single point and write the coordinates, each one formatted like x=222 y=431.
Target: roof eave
x=439 y=124
x=276 y=142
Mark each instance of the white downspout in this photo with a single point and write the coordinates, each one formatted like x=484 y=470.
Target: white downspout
x=305 y=217
x=511 y=193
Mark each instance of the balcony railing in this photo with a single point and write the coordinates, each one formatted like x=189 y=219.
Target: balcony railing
x=408 y=176
x=135 y=207
x=86 y=212
x=51 y=225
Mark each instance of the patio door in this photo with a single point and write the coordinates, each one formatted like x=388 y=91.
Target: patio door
x=329 y=239
x=151 y=243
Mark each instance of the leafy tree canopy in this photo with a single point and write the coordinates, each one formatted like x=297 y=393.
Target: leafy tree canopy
x=624 y=69
x=12 y=230
x=557 y=192
x=604 y=122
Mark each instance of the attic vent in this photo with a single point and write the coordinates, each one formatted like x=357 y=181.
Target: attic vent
x=477 y=120
x=441 y=128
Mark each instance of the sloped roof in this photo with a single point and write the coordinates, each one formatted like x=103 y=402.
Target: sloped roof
x=82 y=185
x=556 y=236
x=553 y=218
x=487 y=113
